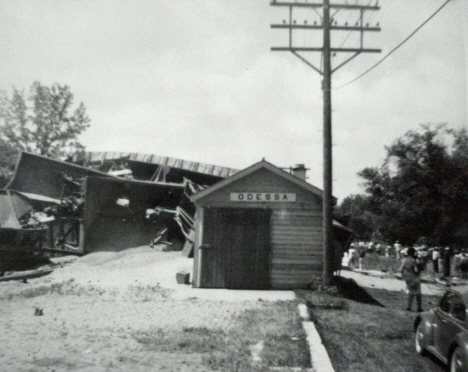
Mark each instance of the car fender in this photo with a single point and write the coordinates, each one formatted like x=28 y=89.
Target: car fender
x=426 y=320
x=462 y=342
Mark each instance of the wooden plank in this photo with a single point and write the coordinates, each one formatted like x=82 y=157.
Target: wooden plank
x=301 y=234
x=294 y=261
x=302 y=274
x=295 y=254
x=312 y=245
x=297 y=227
x=290 y=220
x=306 y=280
x=307 y=213
x=299 y=247
x=290 y=268
x=296 y=242
x=288 y=229
x=292 y=235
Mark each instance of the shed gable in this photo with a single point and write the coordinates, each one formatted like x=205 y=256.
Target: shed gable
x=261 y=181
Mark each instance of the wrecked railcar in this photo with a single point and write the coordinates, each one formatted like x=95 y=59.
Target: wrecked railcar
x=85 y=210
x=116 y=213
x=23 y=231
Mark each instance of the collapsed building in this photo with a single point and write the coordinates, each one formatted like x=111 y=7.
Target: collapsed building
x=61 y=207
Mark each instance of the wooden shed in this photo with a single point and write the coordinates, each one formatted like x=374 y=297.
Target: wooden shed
x=258 y=229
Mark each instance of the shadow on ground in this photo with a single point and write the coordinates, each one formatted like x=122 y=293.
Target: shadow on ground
x=350 y=290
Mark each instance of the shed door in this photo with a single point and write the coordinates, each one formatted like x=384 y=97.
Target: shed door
x=236 y=248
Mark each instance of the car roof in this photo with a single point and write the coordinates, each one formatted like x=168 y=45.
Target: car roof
x=462 y=290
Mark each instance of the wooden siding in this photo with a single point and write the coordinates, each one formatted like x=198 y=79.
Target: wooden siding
x=296 y=243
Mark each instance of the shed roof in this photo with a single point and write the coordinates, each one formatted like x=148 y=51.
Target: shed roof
x=253 y=168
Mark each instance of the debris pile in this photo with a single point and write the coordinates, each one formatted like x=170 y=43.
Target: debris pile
x=57 y=207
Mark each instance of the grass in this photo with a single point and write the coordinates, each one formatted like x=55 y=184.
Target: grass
x=367 y=330
x=375 y=261
x=277 y=325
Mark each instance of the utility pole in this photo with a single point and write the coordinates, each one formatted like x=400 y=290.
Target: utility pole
x=327 y=25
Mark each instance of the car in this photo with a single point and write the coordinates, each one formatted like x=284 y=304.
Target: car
x=443 y=331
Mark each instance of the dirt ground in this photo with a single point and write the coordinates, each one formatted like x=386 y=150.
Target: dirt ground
x=377 y=279
x=98 y=310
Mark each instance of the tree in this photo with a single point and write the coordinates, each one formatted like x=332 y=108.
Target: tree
x=354 y=211
x=41 y=123
x=422 y=187
x=45 y=126
x=7 y=162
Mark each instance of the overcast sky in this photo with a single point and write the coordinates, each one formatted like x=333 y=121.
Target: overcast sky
x=195 y=79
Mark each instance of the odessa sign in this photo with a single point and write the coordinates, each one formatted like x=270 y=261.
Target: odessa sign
x=262 y=197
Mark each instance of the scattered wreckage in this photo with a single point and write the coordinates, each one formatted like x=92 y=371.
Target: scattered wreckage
x=52 y=207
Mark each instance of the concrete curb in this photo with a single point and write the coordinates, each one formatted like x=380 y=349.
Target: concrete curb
x=320 y=359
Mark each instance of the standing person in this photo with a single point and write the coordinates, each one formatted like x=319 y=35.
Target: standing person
x=362 y=254
x=464 y=265
x=435 y=259
x=457 y=260
x=352 y=258
x=447 y=262
x=397 y=247
x=410 y=273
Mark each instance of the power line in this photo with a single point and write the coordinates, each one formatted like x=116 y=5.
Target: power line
x=394 y=49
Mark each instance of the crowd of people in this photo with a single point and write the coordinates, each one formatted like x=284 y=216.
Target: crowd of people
x=446 y=262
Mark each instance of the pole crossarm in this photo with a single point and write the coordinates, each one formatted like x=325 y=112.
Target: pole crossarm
x=321 y=27
x=332 y=6
x=333 y=50
x=345 y=62
x=307 y=62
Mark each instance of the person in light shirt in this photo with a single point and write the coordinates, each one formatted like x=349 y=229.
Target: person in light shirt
x=410 y=272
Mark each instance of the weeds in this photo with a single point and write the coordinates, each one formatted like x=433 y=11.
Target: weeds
x=328 y=303
x=190 y=340
x=67 y=288
x=276 y=325
x=147 y=293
